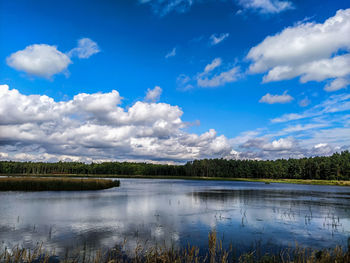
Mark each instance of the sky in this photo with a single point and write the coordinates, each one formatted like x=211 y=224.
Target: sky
x=168 y=81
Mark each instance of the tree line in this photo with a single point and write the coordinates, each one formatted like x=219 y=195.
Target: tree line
x=335 y=167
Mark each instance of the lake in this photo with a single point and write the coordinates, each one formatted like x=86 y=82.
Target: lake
x=178 y=212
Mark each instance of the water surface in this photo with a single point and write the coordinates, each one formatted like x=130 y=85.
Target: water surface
x=175 y=212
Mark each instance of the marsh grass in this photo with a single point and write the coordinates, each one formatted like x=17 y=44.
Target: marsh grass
x=214 y=253
x=54 y=184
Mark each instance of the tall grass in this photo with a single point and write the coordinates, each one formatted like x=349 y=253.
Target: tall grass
x=214 y=253
x=54 y=184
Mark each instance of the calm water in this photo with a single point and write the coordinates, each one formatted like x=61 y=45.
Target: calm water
x=176 y=212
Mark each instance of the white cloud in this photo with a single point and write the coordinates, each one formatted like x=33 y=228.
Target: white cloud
x=17 y=108
x=43 y=60
x=337 y=84
x=184 y=82
x=324 y=149
x=281 y=144
x=314 y=142
x=85 y=49
x=334 y=104
x=288 y=117
x=305 y=50
x=3 y=156
x=272 y=99
x=263 y=148
x=336 y=67
x=95 y=127
x=213 y=65
x=320 y=145
x=172 y=53
x=266 y=6
x=220 y=79
x=39 y=60
x=216 y=39
x=301 y=128
x=153 y=95
x=320 y=130
x=210 y=77
x=164 y=7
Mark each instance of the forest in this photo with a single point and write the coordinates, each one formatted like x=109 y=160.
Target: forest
x=334 y=167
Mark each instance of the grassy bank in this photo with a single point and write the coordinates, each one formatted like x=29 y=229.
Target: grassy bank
x=299 y=181
x=286 y=181
x=54 y=184
x=214 y=253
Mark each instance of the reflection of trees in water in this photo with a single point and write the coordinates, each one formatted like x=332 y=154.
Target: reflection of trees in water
x=287 y=205
x=280 y=198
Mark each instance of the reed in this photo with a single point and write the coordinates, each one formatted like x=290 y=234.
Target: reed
x=214 y=253
x=54 y=184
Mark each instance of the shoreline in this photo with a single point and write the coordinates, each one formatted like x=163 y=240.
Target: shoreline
x=262 y=180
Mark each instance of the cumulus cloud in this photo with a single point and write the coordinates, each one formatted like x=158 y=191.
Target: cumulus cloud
x=320 y=70
x=45 y=61
x=281 y=144
x=95 y=127
x=266 y=6
x=85 y=49
x=306 y=50
x=216 y=39
x=39 y=60
x=272 y=99
x=172 y=53
x=153 y=95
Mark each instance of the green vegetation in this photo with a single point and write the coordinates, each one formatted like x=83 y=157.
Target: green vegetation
x=215 y=253
x=335 y=167
x=54 y=184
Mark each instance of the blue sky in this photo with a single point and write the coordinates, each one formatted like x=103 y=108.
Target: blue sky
x=260 y=79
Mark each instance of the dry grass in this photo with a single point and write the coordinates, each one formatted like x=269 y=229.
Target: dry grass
x=54 y=184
